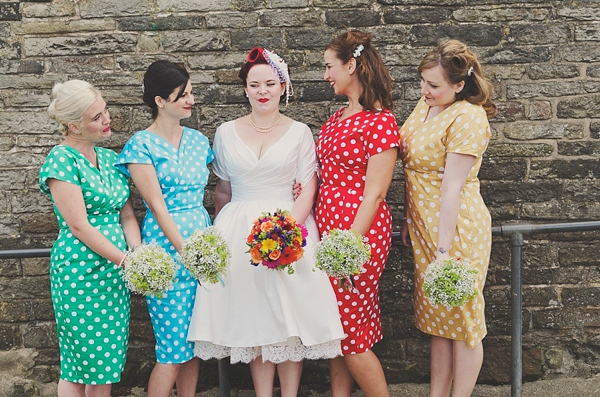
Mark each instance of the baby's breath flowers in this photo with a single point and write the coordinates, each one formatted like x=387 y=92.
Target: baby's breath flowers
x=206 y=255
x=449 y=282
x=149 y=270
x=342 y=254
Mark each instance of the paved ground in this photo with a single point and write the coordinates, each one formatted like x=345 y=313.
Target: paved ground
x=571 y=387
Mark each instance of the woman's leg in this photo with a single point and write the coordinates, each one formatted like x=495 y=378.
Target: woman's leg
x=467 y=364
x=70 y=389
x=441 y=367
x=263 y=375
x=187 y=378
x=366 y=370
x=340 y=378
x=97 y=390
x=289 y=374
x=162 y=379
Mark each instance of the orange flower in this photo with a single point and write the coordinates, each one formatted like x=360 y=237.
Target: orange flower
x=291 y=255
x=274 y=255
x=255 y=255
x=250 y=239
x=266 y=226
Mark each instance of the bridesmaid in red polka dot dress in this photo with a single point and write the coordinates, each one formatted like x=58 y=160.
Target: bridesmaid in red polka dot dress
x=357 y=154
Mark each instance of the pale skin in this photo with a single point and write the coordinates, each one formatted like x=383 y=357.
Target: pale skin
x=68 y=198
x=453 y=363
x=167 y=125
x=364 y=368
x=264 y=92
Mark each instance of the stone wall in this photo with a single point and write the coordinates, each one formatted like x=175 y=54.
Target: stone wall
x=544 y=60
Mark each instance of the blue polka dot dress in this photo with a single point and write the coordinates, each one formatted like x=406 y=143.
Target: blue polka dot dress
x=182 y=174
x=91 y=301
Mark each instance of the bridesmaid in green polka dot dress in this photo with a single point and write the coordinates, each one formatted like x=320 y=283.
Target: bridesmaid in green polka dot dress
x=97 y=224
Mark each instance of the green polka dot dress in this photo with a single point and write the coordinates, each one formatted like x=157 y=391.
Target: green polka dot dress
x=91 y=302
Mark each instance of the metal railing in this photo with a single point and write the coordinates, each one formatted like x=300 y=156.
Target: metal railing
x=515 y=232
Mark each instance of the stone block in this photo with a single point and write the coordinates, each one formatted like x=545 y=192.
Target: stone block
x=232 y=20
x=35 y=266
x=9 y=227
x=115 y=8
x=10 y=268
x=543 y=33
x=565 y=169
x=28 y=98
x=581 y=296
x=6 y=142
x=566 y=318
x=504 y=72
x=528 y=131
x=39 y=223
x=593 y=71
x=26 y=288
x=544 y=89
x=21 y=67
x=141 y=62
x=193 y=5
x=341 y=3
x=312 y=114
x=574 y=254
x=313 y=92
x=579 y=107
x=288 y=3
x=212 y=117
x=18 y=123
x=509 y=111
x=5 y=29
x=42 y=141
x=186 y=41
x=498 y=169
x=17 y=311
x=471 y=34
x=352 y=18
x=540 y=110
x=414 y=15
x=39 y=335
x=303 y=38
x=511 y=55
x=10 y=337
x=552 y=71
x=595 y=130
x=53 y=9
x=161 y=23
x=386 y=34
x=290 y=18
x=45 y=374
x=540 y=296
x=503 y=14
x=578 y=53
x=579 y=13
x=31 y=201
x=580 y=148
x=9 y=11
x=496 y=365
x=218 y=60
x=511 y=192
x=520 y=150
x=560 y=210
x=10 y=49
x=587 y=32
x=421 y=2
x=80 y=45
x=54 y=27
x=248 y=5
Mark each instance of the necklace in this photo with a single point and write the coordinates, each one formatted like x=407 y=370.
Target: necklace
x=264 y=130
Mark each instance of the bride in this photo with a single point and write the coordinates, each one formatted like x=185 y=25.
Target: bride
x=268 y=318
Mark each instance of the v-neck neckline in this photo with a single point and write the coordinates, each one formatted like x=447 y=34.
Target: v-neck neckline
x=177 y=149
x=98 y=157
x=428 y=109
x=235 y=132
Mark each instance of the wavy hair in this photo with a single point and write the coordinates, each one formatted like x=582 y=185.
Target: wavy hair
x=372 y=73
x=456 y=61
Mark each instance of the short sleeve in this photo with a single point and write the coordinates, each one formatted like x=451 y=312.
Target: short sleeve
x=60 y=165
x=135 y=151
x=381 y=134
x=307 y=164
x=218 y=154
x=469 y=133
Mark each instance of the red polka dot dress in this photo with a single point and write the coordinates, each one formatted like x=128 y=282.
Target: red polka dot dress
x=344 y=148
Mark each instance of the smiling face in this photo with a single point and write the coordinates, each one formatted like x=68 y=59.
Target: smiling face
x=436 y=89
x=263 y=88
x=179 y=108
x=337 y=73
x=95 y=123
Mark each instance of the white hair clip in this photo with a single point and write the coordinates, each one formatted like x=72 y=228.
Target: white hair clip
x=358 y=50
x=470 y=71
x=143 y=88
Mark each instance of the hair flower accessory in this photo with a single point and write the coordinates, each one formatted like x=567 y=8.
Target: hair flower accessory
x=358 y=50
x=279 y=67
x=470 y=72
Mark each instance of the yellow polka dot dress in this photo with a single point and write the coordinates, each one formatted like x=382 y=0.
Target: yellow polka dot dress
x=461 y=128
x=90 y=299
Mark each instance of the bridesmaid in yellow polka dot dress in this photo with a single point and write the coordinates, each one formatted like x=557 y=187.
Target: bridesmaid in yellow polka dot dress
x=442 y=143
x=97 y=224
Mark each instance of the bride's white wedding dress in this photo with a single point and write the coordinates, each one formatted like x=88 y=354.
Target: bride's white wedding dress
x=259 y=311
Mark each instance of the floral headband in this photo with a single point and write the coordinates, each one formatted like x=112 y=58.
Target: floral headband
x=279 y=67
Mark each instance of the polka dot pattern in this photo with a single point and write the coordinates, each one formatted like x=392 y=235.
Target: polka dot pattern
x=344 y=148
x=182 y=174
x=461 y=128
x=91 y=302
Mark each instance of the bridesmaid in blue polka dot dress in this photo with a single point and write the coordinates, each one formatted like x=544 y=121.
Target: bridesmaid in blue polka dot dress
x=97 y=223
x=168 y=164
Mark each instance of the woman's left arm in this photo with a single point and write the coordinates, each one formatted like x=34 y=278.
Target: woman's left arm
x=456 y=171
x=130 y=225
x=380 y=170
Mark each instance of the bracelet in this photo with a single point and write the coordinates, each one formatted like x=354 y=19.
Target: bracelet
x=441 y=250
x=123 y=260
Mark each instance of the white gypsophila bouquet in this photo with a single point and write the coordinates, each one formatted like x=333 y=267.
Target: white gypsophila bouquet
x=206 y=255
x=149 y=270
x=342 y=254
x=449 y=282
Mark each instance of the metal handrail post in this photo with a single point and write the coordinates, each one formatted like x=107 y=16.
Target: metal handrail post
x=516 y=288
x=224 y=389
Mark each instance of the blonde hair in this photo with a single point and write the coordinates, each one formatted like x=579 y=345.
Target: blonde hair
x=461 y=64
x=70 y=101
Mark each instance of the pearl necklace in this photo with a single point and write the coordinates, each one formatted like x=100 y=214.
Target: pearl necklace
x=264 y=130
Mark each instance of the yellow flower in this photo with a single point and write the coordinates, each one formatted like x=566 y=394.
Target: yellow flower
x=268 y=245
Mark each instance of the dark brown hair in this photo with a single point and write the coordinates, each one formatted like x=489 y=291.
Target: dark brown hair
x=161 y=79
x=255 y=57
x=456 y=60
x=374 y=77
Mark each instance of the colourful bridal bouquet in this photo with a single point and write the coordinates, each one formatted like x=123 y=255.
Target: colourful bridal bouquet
x=342 y=254
x=276 y=241
x=206 y=255
x=149 y=270
x=449 y=282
